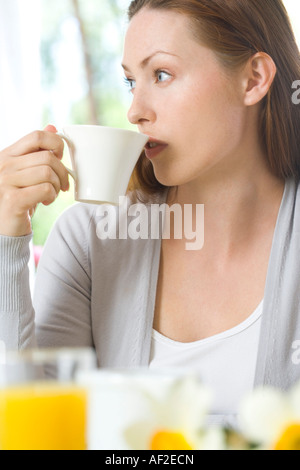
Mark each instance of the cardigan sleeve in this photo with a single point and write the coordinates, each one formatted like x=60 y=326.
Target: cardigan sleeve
x=17 y=329
x=59 y=315
x=62 y=294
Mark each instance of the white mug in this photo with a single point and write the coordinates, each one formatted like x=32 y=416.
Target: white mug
x=103 y=159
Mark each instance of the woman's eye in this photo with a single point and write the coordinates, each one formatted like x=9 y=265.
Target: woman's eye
x=130 y=83
x=162 y=76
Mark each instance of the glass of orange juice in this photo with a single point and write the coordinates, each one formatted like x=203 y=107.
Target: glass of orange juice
x=41 y=405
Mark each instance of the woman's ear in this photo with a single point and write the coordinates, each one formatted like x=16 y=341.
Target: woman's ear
x=259 y=72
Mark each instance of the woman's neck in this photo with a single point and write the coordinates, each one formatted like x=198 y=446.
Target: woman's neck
x=237 y=204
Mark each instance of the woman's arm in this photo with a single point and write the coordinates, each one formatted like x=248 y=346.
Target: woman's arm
x=16 y=312
x=61 y=316
x=62 y=294
x=30 y=173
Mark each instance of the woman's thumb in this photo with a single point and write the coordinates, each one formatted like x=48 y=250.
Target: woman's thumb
x=50 y=128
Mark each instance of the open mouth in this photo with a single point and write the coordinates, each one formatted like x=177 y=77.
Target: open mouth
x=154 y=147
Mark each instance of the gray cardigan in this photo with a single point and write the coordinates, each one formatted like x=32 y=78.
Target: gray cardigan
x=101 y=293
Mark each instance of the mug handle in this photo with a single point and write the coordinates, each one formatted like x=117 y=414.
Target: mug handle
x=71 y=172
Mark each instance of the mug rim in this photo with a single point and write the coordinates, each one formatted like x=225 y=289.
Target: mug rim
x=98 y=126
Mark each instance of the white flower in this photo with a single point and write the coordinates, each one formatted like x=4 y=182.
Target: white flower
x=271 y=418
x=213 y=438
x=172 y=423
x=294 y=397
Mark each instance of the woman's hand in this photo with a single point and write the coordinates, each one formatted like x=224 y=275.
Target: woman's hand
x=30 y=173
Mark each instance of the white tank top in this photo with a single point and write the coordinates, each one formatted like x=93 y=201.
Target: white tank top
x=226 y=363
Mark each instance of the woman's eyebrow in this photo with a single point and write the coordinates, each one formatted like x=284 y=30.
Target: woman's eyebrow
x=145 y=62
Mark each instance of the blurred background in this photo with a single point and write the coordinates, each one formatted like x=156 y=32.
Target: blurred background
x=60 y=64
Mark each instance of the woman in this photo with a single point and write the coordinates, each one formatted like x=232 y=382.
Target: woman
x=212 y=86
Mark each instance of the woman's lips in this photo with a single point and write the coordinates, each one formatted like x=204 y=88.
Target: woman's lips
x=154 y=147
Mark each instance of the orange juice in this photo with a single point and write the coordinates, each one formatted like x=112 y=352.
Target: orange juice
x=43 y=416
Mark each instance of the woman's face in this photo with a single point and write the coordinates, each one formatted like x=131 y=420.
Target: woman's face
x=182 y=97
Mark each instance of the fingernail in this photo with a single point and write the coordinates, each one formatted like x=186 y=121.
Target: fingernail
x=51 y=128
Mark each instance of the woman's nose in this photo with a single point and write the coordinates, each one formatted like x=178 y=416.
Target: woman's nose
x=140 y=110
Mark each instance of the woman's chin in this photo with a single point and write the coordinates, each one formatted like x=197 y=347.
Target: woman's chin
x=166 y=178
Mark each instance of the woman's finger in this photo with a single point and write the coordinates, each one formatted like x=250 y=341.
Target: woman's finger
x=34 y=176
x=36 y=141
x=13 y=165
